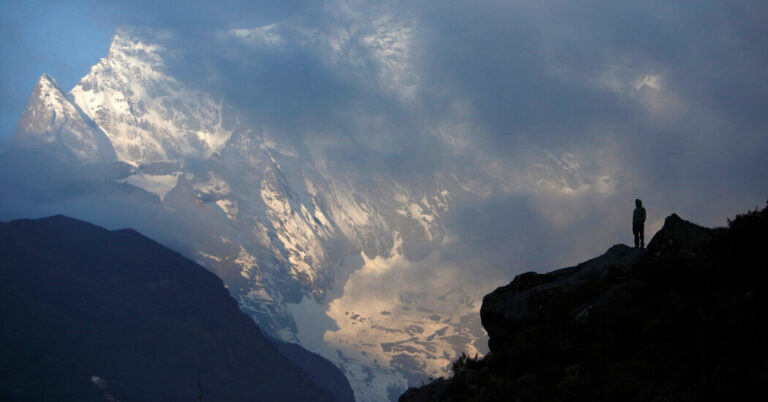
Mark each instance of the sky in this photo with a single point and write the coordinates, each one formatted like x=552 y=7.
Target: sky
x=566 y=110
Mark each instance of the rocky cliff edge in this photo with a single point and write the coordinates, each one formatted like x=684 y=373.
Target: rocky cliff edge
x=680 y=320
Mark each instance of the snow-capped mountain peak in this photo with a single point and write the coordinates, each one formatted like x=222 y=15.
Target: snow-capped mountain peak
x=48 y=83
x=148 y=115
x=52 y=121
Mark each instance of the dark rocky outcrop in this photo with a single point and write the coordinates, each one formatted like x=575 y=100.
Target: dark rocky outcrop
x=683 y=320
x=92 y=315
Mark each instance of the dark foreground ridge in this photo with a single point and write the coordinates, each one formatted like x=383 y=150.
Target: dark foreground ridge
x=89 y=314
x=684 y=320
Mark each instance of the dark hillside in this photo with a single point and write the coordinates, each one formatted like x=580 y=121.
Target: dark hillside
x=320 y=370
x=684 y=320
x=93 y=315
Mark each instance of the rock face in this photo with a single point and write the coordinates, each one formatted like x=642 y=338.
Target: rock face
x=527 y=298
x=90 y=314
x=678 y=321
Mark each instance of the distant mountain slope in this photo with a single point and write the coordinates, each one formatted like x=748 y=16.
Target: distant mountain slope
x=91 y=315
x=683 y=320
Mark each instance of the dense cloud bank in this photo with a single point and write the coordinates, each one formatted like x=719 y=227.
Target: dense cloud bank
x=561 y=114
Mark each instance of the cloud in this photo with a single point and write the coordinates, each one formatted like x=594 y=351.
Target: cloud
x=672 y=87
x=656 y=100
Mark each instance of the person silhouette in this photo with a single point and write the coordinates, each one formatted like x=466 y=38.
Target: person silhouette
x=638 y=224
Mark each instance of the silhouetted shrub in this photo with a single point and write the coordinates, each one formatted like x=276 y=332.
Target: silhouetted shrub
x=464 y=361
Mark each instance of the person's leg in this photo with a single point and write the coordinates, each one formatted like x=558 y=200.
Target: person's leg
x=641 y=229
x=635 y=232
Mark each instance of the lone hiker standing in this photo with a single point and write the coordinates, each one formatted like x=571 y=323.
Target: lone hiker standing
x=638 y=224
